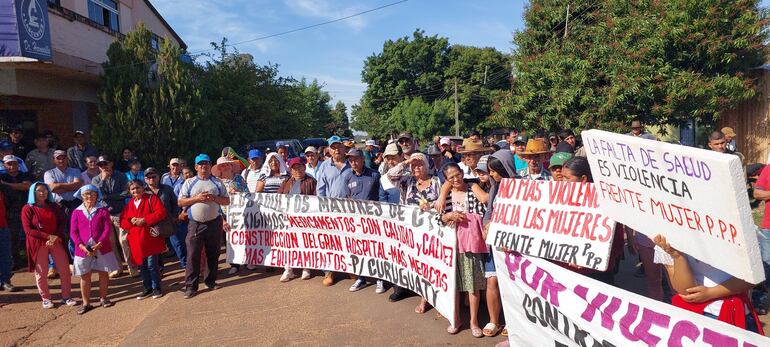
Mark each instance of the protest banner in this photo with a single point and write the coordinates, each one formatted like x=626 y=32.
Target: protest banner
x=695 y=198
x=547 y=305
x=555 y=220
x=399 y=244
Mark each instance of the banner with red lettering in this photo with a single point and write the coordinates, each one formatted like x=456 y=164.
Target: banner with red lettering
x=555 y=220
x=547 y=305
x=696 y=198
x=400 y=244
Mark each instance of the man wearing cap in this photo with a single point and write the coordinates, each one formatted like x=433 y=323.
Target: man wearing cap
x=730 y=139
x=20 y=148
x=389 y=191
x=556 y=163
x=15 y=187
x=445 y=145
x=114 y=194
x=204 y=194
x=173 y=178
x=40 y=159
x=436 y=161
x=311 y=158
x=372 y=157
x=363 y=184
x=406 y=142
x=534 y=154
x=92 y=170
x=76 y=155
x=64 y=181
x=332 y=181
x=6 y=148
x=251 y=174
x=519 y=144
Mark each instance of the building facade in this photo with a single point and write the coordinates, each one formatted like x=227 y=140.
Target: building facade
x=51 y=55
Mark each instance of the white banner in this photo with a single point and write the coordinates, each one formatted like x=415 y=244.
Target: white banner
x=396 y=243
x=695 y=198
x=561 y=221
x=547 y=305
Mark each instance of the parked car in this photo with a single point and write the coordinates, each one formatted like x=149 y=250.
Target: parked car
x=266 y=146
x=314 y=141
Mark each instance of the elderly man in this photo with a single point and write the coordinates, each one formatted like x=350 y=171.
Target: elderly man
x=406 y=142
x=173 y=178
x=15 y=187
x=204 y=195
x=76 y=155
x=40 y=159
x=6 y=148
x=472 y=152
x=534 y=155
x=311 y=157
x=363 y=184
x=730 y=139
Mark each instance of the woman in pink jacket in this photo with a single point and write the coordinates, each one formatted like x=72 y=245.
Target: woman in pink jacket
x=90 y=228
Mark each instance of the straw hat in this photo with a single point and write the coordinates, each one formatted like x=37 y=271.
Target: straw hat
x=474 y=147
x=535 y=147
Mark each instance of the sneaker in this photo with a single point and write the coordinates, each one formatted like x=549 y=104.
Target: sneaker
x=359 y=284
x=399 y=295
x=306 y=274
x=146 y=294
x=9 y=287
x=116 y=273
x=232 y=271
x=52 y=273
x=48 y=304
x=380 y=287
x=212 y=286
x=189 y=293
x=288 y=275
x=328 y=279
x=69 y=302
x=85 y=308
x=156 y=293
x=251 y=267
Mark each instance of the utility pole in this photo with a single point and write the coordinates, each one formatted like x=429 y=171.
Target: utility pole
x=486 y=68
x=457 y=112
x=566 y=22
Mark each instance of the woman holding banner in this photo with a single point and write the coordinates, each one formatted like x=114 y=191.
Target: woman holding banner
x=272 y=175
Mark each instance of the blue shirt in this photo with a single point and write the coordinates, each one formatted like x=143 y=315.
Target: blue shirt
x=175 y=184
x=332 y=182
x=139 y=176
x=519 y=163
x=366 y=186
x=389 y=192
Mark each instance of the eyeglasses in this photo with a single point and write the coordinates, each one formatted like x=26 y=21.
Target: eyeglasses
x=153 y=177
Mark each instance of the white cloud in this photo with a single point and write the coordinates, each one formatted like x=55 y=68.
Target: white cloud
x=323 y=9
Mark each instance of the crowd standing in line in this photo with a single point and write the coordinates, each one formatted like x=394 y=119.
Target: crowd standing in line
x=76 y=211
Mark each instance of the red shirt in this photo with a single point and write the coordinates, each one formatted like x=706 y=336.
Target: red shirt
x=763 y=183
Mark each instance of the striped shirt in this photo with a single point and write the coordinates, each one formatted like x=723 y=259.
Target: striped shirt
x=272 y=183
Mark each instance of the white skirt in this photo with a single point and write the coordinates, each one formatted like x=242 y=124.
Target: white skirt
x=101 y=262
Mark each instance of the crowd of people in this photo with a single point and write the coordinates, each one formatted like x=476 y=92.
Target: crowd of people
x=79 y=211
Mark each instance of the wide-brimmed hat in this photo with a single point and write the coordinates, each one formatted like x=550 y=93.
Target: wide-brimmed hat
x=728 y=131
x=474 y=147
x=216 y=170
x=535 y=147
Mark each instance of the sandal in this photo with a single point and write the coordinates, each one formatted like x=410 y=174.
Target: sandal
x=85 y=308
x=420 y=308
x=453 y=330
x=107 y=303
x=476 y=332
x=505 y=332
x=491 y=329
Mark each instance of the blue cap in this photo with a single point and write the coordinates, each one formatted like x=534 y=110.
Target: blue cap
x=6 y=145
x=281 y=144
x=334 y=139
x=202 y=157
x=255 y=153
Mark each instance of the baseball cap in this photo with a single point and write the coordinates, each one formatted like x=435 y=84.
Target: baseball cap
x=432 y=150
x=150 y=171
x=295 y=161
x=174 y=161
x=405 y=134
x=202 y=157
x=445 y=141
x=311 y=149
x=58 y=153
x=391 y=149
x=103 y=159
x=482 y=164
x=6 y=145
x=521 y=138
x=370 y=143
x=255 y=153
x=17 y=129
x=354 y=152
x=281 y=144
x=558 y=159
x=334 y=139
x=10 y=157
x=80 y=132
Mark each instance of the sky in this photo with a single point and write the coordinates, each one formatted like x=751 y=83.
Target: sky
x=334 y=54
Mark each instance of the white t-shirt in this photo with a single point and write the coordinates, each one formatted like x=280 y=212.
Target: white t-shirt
x=251 y=176
x=203 y=211
x=468 y=173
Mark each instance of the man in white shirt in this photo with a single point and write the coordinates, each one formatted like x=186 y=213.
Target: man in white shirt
x=251 y=173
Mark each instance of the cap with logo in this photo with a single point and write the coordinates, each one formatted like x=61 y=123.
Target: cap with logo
x=10 y=157
x=58 y=153
x=370 y=143
x=201 y=158
x=103 y=159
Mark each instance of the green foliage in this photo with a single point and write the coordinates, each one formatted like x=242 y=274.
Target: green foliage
x=340 y=125
x=662 y=61
x=157 y=113
x=414 y=78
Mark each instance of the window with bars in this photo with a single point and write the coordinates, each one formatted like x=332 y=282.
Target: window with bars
x=104 y=12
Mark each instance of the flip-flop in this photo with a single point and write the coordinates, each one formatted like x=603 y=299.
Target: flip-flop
x=491 y=329
x=505 y=332
x=476 y=332
x=453 y=330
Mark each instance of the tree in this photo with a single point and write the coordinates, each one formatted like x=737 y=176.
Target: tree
x=340 y=124
x=147 y=100
x=664 y=62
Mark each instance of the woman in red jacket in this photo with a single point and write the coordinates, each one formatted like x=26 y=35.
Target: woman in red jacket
x=142 y=211
x=43 y=223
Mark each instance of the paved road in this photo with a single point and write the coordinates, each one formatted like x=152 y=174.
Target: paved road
x=251 y=308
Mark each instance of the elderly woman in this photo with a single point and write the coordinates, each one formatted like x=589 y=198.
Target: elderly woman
x=418 y=189
x=90 y=228
x=299 y=183
x=44 y=223
x=272 y=175
x=142 y=211
x=227 y=170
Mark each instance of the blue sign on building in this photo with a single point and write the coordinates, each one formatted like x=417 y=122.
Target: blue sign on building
x=24 y=29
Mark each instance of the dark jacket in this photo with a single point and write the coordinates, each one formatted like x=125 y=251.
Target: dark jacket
x=113 y=191
x=307 y=187
x=168 y=198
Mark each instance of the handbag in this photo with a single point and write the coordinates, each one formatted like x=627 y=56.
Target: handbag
x=164 y=228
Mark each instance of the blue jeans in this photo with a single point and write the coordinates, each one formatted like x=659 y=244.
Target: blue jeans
x=763 y=238
x=150 y=272
x=6 y=259
x=177 y=243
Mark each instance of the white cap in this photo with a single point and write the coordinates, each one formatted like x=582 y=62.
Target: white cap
x=9 y=157
x=445 y=141
x=370 y=143
x=310 y=149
